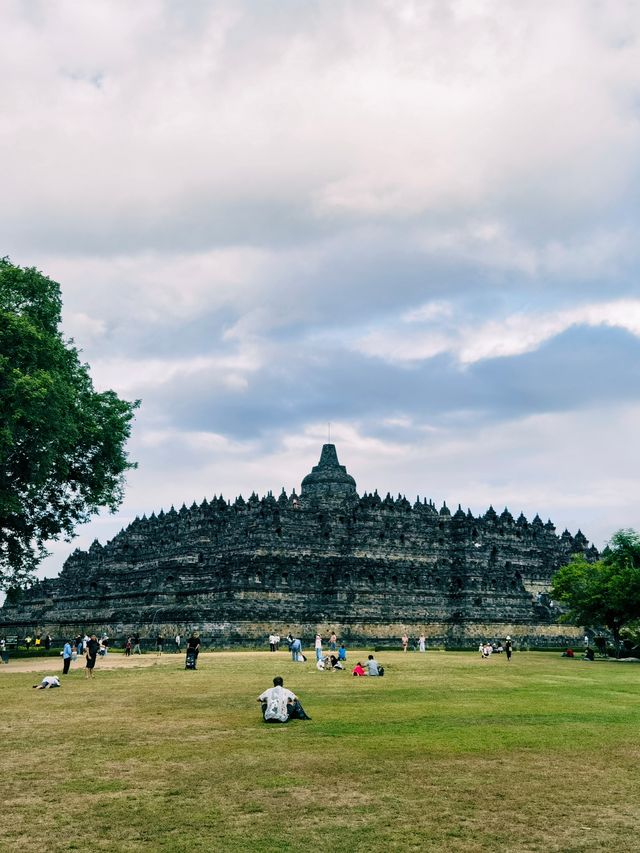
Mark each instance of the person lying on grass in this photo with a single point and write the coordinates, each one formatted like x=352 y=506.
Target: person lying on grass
x=280 y=705
x=47 y=681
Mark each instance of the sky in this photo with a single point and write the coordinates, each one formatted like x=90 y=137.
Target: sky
x=416 y=222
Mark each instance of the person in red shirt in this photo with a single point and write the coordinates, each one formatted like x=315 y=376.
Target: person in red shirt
x=358 y=669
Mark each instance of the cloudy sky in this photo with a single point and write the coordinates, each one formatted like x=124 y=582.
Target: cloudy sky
x=416 y=221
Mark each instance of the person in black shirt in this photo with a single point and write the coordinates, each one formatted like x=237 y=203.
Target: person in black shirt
x=91 y=653
x=193 y=649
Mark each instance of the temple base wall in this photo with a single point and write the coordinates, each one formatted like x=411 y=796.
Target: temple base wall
x=224 y=634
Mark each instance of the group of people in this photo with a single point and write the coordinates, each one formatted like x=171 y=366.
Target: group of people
x=133 y=644
x=371 y=667
x=333 y=645
x=487 y=649
x=421 y=646
x=331 y=662
x=39 y=641
x=90 y=646
x=274 y=642
x=298 y=656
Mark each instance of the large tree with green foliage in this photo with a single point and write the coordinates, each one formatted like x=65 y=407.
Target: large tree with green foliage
x=605 y=592
x=62 y=453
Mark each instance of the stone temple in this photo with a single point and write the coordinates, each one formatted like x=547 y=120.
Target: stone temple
x=368 y=567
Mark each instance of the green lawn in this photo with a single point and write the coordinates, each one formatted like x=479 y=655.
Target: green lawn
x=446 y=752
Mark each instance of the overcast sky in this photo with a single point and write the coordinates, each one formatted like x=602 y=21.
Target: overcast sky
x=416 y=221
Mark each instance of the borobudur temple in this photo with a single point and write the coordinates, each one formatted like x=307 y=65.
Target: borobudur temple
x=368 y=567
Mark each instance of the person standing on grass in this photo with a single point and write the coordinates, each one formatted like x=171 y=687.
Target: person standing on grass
x=295 y=647
x=193 y=647
x=318 y=647
x=136 y=644
x=421 y=642
x=67 y=651
x=127 y=648
x=333 y=642
x=91 y=653
x=178 y=640
x=508 y=647
x=405 y=642
x=159 y=644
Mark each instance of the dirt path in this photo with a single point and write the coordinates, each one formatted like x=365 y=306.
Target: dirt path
x=51 y=665
x=111 y=661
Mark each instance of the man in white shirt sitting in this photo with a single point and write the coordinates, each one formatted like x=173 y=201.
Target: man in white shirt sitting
x=279 y=705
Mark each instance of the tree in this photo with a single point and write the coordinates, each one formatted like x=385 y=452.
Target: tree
x=605 y=592
x=62 y=455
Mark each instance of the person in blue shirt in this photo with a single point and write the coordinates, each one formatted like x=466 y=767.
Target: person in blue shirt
x=342 y=652
x=296 y=650
x=67 y=651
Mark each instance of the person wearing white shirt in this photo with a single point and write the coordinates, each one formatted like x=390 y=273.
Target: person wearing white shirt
x=280 y=705
x=47 y=681
x=277 y=702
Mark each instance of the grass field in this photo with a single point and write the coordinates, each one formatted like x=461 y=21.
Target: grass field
x=446 y=752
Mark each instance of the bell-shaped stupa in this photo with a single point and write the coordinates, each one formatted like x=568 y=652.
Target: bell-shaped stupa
x=328 y=479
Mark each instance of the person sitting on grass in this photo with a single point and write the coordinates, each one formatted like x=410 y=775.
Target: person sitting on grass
x=280 y=705
x=358 y=669
x=47 y=681
x=335 y=663
x=373 y=668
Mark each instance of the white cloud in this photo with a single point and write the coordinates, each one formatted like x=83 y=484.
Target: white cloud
x=357 y=111
x=127 y=376
x=224 y=189
x=512 y=335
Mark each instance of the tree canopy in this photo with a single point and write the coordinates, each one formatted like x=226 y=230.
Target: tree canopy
x=605 y=592
x=62 y=444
